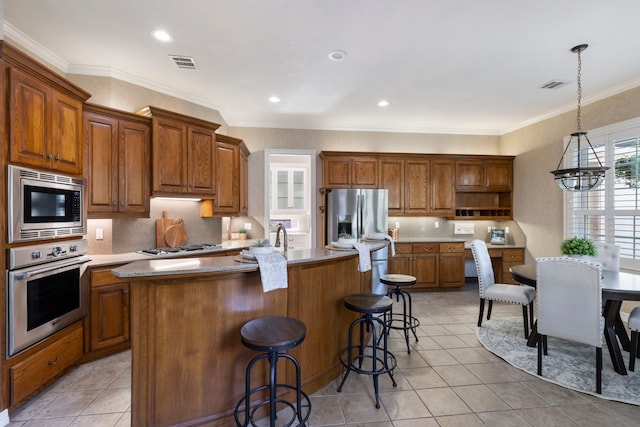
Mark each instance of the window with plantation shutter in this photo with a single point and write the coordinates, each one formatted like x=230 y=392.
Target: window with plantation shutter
x=610 y=213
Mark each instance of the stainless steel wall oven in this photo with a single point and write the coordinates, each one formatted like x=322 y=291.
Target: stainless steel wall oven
x=45 y=291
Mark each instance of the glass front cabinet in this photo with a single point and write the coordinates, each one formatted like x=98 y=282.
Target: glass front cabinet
x=288 y=190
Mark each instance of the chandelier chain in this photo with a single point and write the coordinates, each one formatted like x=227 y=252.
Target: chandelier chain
x=579 y=120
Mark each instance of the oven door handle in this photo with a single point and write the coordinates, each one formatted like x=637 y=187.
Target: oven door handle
x=53 y=266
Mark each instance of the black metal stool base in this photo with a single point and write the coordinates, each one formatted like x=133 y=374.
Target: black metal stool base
x=381 y=360
x=300 y=409
x=404 y=321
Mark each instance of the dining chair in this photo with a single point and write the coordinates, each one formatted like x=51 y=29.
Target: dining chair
x=608 y=255
x=634 y=327
x=492 y=291
x=570 y=305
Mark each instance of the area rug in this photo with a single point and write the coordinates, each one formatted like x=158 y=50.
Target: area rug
x=567 y=363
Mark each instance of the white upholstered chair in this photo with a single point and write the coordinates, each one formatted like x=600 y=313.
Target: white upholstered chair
x=492 y=291
x=570 y=305
x=608 y=255
x=634 y=327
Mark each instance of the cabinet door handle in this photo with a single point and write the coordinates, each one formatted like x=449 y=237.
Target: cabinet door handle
x=50 y=156
x=51 y=363
x=58 y=157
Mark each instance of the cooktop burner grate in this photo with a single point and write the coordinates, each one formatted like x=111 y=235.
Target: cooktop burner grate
x=186 y=248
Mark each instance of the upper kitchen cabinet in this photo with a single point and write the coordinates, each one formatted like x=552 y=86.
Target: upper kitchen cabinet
x=484 y=175
x=484 y=188
x=418 y=186
x=45 y=115
x=244 y=179
x=232 y=188
x=349 y=170
x=227 y=200
x=117 y=153
x=183 y=154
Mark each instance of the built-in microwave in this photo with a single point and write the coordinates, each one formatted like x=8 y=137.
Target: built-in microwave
x=44 y=205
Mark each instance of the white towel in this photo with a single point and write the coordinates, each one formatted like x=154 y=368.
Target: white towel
x=273 y=271
x=391 y=245
x=365 y=257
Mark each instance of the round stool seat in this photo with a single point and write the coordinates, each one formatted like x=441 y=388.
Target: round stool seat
x=397 y=280
x=368 y=303
x=273 y=333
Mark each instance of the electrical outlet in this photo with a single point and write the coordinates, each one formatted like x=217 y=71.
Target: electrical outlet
x=397 y=224
x=247 y=226
x=436 y=224
x=506 y=230
x=99 y=234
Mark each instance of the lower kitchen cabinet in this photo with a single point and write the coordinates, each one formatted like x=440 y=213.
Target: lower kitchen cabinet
x=501 y=261
x=34 y=369
x=434 y=265
x=109 y=311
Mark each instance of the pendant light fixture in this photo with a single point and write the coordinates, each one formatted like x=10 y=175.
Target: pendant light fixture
x=580 y=178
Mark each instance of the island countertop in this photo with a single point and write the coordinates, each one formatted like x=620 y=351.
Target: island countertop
x=173 y=266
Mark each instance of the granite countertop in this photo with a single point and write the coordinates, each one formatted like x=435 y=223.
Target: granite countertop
x=170 y=266
x=98 y=260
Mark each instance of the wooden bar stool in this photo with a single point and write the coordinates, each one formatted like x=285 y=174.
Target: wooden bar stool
x=379 y=360
x=406 y=321
x=272 y=336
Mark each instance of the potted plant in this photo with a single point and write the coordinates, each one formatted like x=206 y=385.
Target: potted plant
x=578 y=247
x=243 y=233
x=261 y=247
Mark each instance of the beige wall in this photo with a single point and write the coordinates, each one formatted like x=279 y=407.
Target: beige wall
x=260 y=138
x=538 y=148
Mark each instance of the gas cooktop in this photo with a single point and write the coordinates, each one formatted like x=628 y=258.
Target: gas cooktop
x=204 y=247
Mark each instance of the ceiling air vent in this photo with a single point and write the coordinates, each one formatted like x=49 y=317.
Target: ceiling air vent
x=554 y=84
x=184 y=62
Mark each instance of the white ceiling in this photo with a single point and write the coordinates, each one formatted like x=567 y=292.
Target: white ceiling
x=463 y=66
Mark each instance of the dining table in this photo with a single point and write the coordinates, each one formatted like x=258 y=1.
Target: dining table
x=617 y=286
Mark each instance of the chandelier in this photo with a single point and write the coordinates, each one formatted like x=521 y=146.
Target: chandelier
x=580 y=178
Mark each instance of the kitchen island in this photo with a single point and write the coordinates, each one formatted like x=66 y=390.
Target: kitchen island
x=188 y=364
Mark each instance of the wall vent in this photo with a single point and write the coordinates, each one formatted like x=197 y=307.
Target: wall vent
x=184 y=62
x=554 y=84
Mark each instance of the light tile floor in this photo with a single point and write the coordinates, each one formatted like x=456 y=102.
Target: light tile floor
x=449 y=379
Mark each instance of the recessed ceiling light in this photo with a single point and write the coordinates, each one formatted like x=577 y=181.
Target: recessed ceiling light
x=274 y=99
x=162 y=35
x=337 y=55
x=383 y=103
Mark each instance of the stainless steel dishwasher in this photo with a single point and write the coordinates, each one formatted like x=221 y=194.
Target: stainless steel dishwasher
x=379 y=266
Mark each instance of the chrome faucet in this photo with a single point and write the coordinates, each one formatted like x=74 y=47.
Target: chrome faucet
x=284 y=232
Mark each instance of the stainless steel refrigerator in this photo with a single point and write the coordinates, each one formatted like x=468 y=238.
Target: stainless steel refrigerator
x=360 y=212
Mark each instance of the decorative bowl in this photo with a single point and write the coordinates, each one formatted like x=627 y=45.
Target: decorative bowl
x=260 y=250
x=347 y=241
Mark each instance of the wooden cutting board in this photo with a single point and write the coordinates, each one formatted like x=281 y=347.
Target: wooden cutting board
x=176 y=235
x=162 y=225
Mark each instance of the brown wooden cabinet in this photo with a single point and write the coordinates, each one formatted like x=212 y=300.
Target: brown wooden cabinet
x=418 y=186
x=227 y=200
x=183 y=154
x=392 y=178
x=484 y=175
x=45 y=122
x=244 y=179
x=117 y=163
x=501 y=261
x=109 y=311
x=484 y=188
x=232 y=187
x=35 y=368
x=349 y=171
x=451 y=265
x=434 y=265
